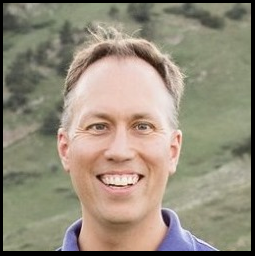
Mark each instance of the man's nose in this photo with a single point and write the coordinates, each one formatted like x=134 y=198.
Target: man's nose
x=120 y=147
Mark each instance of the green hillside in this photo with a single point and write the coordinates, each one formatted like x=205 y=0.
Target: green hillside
x=212 y=188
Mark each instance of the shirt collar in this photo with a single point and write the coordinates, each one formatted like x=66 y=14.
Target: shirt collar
x=176 y=239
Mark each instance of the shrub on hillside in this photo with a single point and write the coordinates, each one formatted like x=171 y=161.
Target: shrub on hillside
x=243 y=148
x=51 y=121
x=140 y=12
x=15 y=101
x=212 y=21
x=65 y=56
x=21 y=79
x=114 y=12
x=189 y=10
x=42 y=53
x=237 y=12
x=66 y=33
x=12 y=21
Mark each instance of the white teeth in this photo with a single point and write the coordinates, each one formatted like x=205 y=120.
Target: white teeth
x=120 y=180
x=124 y=181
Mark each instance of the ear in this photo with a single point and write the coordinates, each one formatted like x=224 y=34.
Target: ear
x=175 y=149
x=63 y=148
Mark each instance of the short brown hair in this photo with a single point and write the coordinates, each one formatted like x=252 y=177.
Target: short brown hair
x=111 y=42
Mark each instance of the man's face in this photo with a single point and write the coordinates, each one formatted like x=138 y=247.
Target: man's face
x=120 y=149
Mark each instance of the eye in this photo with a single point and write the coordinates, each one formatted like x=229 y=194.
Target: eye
x=144 y=127
x=97 y=128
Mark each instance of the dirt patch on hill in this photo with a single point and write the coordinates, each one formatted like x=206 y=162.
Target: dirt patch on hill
x=12 y=136
x=197 y=191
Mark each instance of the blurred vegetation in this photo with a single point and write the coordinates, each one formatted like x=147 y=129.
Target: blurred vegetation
x=10 y=20
x=140 y=12
x=237 y=12
x=243 y=148
x=211 y=42
x=190 y=10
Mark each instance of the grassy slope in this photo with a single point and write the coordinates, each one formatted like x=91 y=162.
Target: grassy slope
x=216 y=113
x=217 y=206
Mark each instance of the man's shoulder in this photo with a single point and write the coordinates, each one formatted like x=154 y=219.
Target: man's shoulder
x=178 y=238
x=200 y=245
x=70 y=241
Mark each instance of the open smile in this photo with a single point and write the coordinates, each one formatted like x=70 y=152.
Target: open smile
x=119 y=180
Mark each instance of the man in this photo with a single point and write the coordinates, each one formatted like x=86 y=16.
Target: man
x=119 y=141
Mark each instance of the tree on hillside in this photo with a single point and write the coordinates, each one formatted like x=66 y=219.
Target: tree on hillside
x=51 y=120
x=21 y=79
x=114 y=12
x=66 y=33
x=140 y=12
x=10 y=22
x=237 y=12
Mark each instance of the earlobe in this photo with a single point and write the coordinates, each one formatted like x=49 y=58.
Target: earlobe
x=63 y=148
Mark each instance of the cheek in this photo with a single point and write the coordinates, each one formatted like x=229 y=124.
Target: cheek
x=159 y=168
x=81 y=166
x=83 y=148
x=84 y=155
x=80 y=155
x=157 y=153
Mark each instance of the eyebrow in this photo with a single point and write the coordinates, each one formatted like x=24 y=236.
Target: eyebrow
x=105 y=116
x=98 y=115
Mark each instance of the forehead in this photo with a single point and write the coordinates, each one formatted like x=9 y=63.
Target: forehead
x=122 y=73
x=124 y=84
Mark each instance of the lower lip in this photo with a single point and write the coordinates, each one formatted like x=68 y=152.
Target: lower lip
x=120 y=191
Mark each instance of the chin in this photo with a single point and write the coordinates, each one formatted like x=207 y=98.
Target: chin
x=121 y=216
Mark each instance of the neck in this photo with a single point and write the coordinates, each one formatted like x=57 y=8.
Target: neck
x=143 y=236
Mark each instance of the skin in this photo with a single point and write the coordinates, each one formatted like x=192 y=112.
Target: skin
x=120 y=127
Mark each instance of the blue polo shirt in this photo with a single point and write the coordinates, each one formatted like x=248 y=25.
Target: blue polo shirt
x=176 y=239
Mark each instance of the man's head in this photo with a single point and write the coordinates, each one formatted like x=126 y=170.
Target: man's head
x=113 y=43
x=118 y=139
